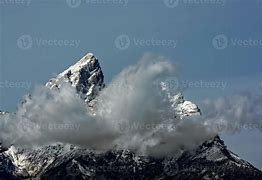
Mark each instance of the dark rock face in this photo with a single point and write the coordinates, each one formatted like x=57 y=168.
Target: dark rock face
x=7 y=168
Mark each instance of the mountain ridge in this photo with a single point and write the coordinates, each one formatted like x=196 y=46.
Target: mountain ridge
x=211 y=160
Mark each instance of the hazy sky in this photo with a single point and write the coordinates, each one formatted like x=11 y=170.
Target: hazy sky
x=210 y=41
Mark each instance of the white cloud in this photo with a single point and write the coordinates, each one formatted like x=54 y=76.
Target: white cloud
x=131 y=113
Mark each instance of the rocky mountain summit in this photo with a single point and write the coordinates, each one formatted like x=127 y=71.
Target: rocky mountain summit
x=85 y=76
x=211 y=160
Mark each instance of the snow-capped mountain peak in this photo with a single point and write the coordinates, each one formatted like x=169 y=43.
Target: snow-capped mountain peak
x=86 y=76
x=182 y=107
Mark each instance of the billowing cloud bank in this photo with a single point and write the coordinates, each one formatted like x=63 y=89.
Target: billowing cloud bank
x=238 y=112
x=132 y=112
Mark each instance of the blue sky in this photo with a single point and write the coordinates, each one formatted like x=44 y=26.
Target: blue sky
x=212 y=42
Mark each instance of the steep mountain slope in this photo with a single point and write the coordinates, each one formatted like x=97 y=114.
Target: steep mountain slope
x=211 y=160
